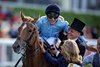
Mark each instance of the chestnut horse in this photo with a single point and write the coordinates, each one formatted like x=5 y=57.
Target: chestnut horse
x=27 y=43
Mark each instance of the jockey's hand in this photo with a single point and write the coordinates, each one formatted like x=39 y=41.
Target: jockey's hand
x=41 y=44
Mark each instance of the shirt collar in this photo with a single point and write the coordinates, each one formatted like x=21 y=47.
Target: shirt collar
x=75 y=39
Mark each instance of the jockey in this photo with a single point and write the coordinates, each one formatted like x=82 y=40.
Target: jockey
x=51 y=24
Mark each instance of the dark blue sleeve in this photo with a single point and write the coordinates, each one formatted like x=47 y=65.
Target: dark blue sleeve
x=50 y=59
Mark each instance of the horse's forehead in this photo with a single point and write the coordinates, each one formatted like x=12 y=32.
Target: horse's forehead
x=25 y=31
x=31 y=25
x=27 y=27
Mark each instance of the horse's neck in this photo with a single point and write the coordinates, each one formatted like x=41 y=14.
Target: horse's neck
x=34 y=56
x=35 y=43
x=35 y=40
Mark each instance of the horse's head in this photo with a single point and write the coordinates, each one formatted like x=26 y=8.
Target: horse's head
x=27 y=33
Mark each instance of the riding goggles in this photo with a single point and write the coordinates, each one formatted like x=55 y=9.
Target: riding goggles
x=51 y=15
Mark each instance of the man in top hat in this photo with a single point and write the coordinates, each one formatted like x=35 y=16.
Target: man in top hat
x=74 y=33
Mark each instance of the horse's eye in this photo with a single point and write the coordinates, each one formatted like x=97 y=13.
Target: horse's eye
x=34 y=29
x=30 y=30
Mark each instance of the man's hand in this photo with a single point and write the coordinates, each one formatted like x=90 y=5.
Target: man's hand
x=41 y=44
x=91 y=48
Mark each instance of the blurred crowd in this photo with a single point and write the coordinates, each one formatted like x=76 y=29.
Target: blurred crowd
x=90 y=32
x=8 y=23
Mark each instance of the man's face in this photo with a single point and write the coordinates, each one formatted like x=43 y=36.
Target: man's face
x=98 y=45
x=72 y=34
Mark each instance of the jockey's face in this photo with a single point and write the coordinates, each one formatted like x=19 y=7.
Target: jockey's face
x=52 y=17
x=72 y=34
x=98 y=44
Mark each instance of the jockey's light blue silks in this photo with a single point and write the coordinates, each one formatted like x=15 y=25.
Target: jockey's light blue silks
x=50 y=30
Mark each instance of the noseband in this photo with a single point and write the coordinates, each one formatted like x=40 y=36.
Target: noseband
x=27 y=45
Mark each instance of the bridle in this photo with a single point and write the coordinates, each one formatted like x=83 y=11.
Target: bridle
x=27 y=44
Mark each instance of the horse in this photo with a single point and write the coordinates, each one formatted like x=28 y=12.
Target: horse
x=27 y=43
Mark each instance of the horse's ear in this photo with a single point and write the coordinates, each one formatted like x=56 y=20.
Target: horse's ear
x=25 y=18
x=22 y=16
x=35 y=19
